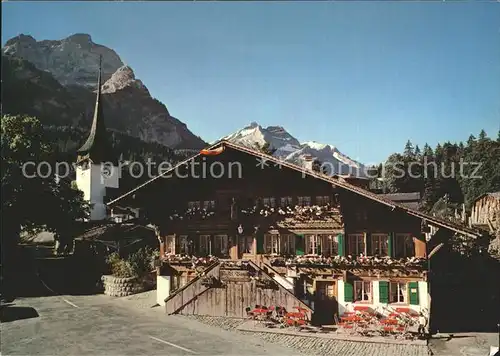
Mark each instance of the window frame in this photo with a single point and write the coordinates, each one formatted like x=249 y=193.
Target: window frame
x=208 y=204
x=286 y=201
x=361 y=237
x=194 y=204
x=269 y=201
x=401 y=238
x=170 y=245
x=205 y=245
x=287 y=244
x=363 y=292
x=322 y=199
x=398 y=289
x=221 y=245
x=272 y=241
x=313 y=239
x=304 y=200
x=377 y=240
x=329 y=245
x=182 y=244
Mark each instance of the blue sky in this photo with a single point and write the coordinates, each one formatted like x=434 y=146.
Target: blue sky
x=364 y=76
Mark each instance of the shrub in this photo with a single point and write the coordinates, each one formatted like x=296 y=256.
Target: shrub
x=137 y=264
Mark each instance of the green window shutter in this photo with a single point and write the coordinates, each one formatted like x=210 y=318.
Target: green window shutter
x=348 y=292
x=383 y=291
x=341 y=244
x=413 y=293
x=299 y=245
x=390 y=244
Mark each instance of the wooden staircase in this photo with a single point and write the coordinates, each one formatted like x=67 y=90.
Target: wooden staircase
x=190 y=291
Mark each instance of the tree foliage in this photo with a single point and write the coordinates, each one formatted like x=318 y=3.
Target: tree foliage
x=460 y=172
x=33 y=200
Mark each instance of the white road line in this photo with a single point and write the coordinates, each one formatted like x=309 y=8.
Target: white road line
x=67 y=301
x=51 y=290
x=174 y=345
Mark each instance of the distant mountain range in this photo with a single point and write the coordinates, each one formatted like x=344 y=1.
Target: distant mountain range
x=288 y=148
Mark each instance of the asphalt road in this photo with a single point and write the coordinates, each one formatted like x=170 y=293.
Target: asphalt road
x=100 y=325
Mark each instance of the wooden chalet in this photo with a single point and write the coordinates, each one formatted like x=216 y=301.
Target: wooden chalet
x=326 y=241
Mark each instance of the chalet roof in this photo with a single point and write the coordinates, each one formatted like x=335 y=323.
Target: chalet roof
x=112 y=231
x=325 y=177
x=495 y=195
x=97 y=147
x=403 y=196
x=410 y=200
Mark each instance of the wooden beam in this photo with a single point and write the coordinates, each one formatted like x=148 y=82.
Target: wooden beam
x=435 y=249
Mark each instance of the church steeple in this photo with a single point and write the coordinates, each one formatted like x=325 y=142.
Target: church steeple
x=97 y=146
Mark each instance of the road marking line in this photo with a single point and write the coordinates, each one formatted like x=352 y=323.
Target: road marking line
x=174 y=345
x=51 y=290
x=67 y=301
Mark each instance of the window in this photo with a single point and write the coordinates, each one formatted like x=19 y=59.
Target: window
x=304 y=201
x=397 y=292
x=380 y=245
x=404 y=246
x=362 y=291
x=220 y=245
x=209 y=204
x=272 y=244
x=322 y=200
x=325 y=290
x=286 y=201
x=193 y=204
x=287 y=245
x=356 y=244
x=245 y=244
x=270 y=201
x=182 y=245
x=329 y=245
x=205 y=245
x=170 y=245
x=313 y=245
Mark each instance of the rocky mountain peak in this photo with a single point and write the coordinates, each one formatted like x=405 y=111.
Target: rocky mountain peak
x=73 y=60
x=290 y=149
x=22 y=38
x=122 y=78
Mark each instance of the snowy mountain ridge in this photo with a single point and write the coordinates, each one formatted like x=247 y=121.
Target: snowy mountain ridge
x=288 y=148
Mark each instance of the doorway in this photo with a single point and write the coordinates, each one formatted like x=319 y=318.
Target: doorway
x=326 y=306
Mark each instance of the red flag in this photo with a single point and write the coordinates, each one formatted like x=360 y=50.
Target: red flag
x=214 y=152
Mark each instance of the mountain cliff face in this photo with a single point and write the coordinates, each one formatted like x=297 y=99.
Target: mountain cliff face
x=290 y=149
x=62 y=78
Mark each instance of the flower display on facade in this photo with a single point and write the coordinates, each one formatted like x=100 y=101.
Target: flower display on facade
x=314 y=212
x=349 y=261
x=192 y=213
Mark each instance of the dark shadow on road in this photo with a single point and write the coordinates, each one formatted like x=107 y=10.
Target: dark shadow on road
x=10 y=313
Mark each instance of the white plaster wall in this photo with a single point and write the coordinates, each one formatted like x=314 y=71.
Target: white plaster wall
x=423 y=296
x=376 y=293
x=83 y=181
x=376 y=305
x=162 y=289
x=340 y=297
x=93 y=185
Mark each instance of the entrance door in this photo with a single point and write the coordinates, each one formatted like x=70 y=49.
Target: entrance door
x=325 y=306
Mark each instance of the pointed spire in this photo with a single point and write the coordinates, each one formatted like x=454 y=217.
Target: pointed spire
x=96 y=148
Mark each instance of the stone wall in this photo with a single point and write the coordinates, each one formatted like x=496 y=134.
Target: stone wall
x=121 y=287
